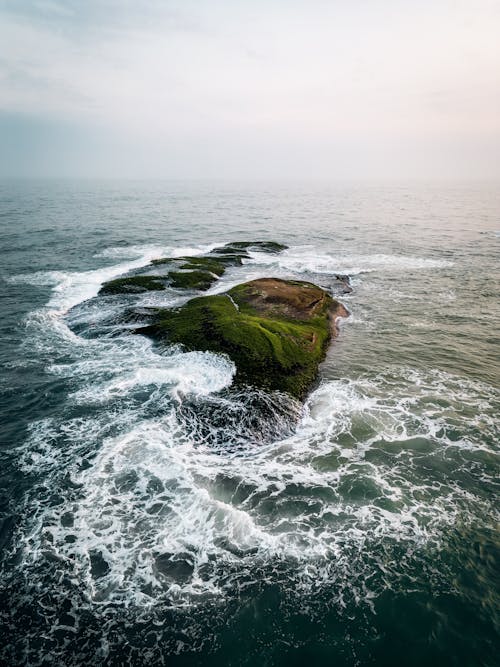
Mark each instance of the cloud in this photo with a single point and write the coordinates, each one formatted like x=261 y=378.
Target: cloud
x=262 y=88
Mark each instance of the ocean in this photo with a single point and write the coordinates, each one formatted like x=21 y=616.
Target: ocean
x=153 y=514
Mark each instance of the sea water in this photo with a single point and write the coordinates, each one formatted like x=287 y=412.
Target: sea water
x=152 y=513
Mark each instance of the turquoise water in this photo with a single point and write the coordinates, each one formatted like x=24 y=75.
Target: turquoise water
x=153 y=514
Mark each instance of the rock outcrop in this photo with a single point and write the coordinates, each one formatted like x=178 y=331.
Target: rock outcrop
x=276 y=331
x=197 y=273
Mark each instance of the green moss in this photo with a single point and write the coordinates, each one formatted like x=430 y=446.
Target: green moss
x=203 y=263
x=225 y=256
x=230 y=258
x=274 y=353
x=195 y=279
x=198 y=272
x=230 y=252
x=133 y=285
x=162 y=260
x=201 y=280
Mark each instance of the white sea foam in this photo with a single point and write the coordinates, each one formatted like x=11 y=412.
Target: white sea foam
x=166 y=500
x=71 y=288
x=121 y=252
x=308 y=259
x=198 y=373
x=179 y=503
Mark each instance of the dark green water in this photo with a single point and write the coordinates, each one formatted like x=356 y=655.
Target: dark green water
x=152 y=514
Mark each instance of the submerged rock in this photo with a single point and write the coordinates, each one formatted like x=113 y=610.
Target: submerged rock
x=241 y=247
x=344 y=281
x=276 y=331
x=229 y=257
x=262 y=246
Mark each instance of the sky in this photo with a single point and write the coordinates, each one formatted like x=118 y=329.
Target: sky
x=256 y=89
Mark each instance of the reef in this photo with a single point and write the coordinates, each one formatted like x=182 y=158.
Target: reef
x=194 y=279
x=196 y=273
x=276 y=331
x=134 y=284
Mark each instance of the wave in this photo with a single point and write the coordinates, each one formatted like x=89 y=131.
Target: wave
x=72 y=288
x=358 y=469
x=119 y=252
x=307 y=259
x=162 y=486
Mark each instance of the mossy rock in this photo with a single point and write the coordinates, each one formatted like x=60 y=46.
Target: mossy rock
x=201 y=280
x=230 y=251
x=230 y=254
x=224 y=255
x=194 y=272
x=163 y=260
x=223 y=259
x=133 y=285
x=203 y=263
x=276 y=331
x=262 y=246
x=231 y=258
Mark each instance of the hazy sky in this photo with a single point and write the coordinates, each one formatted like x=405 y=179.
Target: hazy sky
x=338 y=89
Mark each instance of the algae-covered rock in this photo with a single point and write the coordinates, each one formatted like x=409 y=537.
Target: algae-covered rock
x=262 y=246
x=276 y=331
x=198 y=272
x=203 y=263
x=229 y=251
x=229 y=257
x=240 y=248
x=201 y=280
x=133 y=285
x=219 y=258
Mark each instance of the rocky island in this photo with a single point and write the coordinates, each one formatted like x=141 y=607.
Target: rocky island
x=197 y=272
x=275 y=331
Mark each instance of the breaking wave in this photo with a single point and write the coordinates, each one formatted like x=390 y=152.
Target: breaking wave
x=163 y=487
